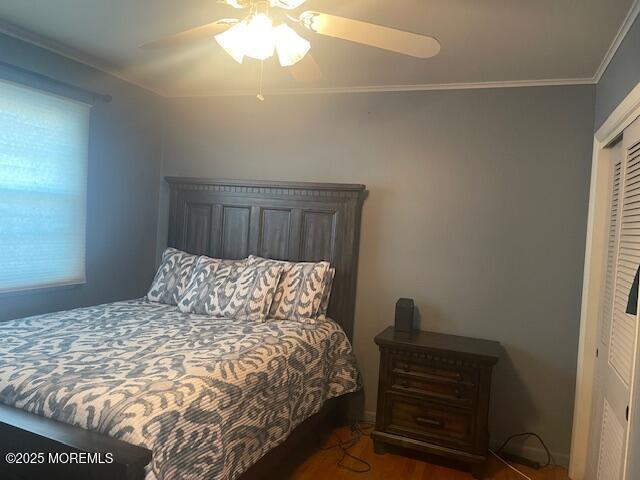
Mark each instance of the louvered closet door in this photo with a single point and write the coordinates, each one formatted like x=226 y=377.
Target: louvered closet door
x=618 y=329
x=606 y=305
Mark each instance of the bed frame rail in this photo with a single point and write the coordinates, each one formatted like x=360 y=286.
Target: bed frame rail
x=45 y=448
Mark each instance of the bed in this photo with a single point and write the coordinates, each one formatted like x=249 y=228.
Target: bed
x=170 y=394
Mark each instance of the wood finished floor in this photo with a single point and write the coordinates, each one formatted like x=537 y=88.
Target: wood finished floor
x=321 y=465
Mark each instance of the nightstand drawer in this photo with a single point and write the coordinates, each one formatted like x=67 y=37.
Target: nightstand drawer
x=413 y=417
x=450 y=392
x=433 y=372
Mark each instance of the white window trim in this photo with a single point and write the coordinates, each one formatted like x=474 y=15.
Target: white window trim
x=595 y=251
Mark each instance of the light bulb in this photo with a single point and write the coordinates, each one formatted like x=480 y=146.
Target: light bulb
x=259 y=37
x=291 y=47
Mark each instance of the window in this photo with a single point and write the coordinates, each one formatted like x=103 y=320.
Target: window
x=43 y=177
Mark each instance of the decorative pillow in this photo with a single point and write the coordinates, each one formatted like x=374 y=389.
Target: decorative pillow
x=231 y=289
x=299 y=291
x=326 y=293
x=172 y=277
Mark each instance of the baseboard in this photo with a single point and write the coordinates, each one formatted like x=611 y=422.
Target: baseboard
x=369 y=417
x=537 y=454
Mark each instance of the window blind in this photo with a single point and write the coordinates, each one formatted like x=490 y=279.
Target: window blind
x=43 y=176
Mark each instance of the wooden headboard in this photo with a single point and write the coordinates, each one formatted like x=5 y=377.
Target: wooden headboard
x=280 y=220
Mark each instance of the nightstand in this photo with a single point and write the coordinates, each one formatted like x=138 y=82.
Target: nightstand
x=433 y=394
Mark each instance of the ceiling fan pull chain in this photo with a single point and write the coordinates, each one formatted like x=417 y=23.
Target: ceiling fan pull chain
x=260 y=96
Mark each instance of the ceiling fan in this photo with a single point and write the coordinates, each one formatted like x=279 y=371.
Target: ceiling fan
x=266 y=31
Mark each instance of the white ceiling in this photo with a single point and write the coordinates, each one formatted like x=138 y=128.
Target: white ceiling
x=482 y=41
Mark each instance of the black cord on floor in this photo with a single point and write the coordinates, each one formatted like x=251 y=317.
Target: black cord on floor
x=357 y=433
x=550 y=458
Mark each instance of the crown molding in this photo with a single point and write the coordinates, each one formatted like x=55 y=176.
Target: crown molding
x=632 y=14
x=396 y=88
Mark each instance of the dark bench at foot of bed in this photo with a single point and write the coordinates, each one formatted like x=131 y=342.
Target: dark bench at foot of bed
x=52 y=450
x=24 y=433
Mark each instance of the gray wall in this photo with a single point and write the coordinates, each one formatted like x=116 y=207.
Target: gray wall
x=123 y=183
x=622 y=74
x=477 y=209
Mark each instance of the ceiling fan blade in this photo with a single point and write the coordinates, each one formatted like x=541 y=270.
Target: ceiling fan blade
x=306 y=70
x=198 y=33
x=399 y=41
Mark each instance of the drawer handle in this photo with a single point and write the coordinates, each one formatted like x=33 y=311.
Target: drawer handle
x=403 y=366
x=404 y=383
x=429 y=421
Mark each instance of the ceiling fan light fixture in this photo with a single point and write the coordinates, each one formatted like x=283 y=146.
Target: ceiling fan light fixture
x=233 y=41
x=259 y=41
x=287 y=4
x=253 y=37
x=290 y=46
x=235 y=3
x=312 y=20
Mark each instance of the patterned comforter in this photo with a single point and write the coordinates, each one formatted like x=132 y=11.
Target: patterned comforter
x=209 y=397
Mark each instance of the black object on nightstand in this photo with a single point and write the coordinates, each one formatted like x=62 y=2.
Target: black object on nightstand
x=433 y=394
x=405 y=315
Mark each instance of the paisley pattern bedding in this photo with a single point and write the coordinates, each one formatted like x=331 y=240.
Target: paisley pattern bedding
x=299 y=291
x=208 y=396
x=326 y=294
x=231 y=289
x=172 y=277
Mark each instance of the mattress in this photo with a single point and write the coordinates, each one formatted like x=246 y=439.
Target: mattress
x=208 y=397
